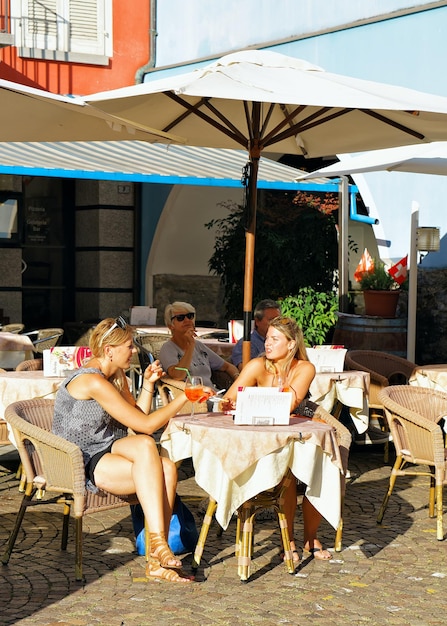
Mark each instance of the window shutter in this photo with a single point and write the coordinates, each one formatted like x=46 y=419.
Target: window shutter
x=39 y=24
x=87 y=27
x=67 y=26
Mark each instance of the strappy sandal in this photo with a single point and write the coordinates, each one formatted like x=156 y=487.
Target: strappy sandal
x=162 y=553
x=168 y=575
x=320 y=554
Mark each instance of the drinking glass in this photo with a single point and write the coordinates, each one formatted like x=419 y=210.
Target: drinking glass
x=194 y=390
x=280 y=380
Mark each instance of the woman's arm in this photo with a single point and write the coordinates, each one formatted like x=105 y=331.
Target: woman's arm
x=300 y=380
x=95 y=387
x=248 y=377
x=152 y=373
x=170 y=359
x=230 y=369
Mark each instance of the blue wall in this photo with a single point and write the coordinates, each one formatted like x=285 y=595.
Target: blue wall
x=400 y=48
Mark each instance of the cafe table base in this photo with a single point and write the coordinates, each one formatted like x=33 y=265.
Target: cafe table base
x=246 y=514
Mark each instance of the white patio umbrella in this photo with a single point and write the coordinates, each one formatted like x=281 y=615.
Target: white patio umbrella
x=30 y=114
x=268 y=102
x=418 y=159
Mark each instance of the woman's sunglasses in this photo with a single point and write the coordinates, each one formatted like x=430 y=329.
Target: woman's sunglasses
x=182 y=316
x=120 y=322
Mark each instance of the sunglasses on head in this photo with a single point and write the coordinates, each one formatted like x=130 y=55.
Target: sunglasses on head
x=182 y=316
x=120 y=322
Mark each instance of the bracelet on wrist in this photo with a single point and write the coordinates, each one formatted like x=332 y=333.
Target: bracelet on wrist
x=148 y=390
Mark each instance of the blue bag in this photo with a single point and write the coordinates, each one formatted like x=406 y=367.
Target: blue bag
x=183 y=534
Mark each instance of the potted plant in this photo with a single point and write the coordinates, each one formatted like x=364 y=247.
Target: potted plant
x=380 y=291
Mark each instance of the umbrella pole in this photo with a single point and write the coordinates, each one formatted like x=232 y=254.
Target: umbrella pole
x=250 y=256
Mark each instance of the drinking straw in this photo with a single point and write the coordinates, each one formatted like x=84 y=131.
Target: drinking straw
x=185 y=369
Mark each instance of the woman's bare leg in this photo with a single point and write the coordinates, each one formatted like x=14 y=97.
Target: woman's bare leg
x=135 y=466
x=311 y=522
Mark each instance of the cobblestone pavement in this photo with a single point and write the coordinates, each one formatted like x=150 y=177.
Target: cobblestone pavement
x=393 y=574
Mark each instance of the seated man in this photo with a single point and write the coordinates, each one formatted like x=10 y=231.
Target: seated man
x=264 y=312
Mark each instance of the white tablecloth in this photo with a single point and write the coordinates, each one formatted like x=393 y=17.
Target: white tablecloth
x=235 y=463
x=430 y=376
x=350 y=388
x=24 y=386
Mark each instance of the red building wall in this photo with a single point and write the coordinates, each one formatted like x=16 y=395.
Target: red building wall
x=131 y=50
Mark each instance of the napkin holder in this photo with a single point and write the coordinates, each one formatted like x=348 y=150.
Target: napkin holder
x=327 y=358
x=143 y=315
x=263 y=406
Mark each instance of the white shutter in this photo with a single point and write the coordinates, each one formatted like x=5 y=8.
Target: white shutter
x=66 y=29
x=40 y=24
x=87 y=26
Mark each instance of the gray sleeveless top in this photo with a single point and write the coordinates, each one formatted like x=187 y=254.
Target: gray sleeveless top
x=84 y=422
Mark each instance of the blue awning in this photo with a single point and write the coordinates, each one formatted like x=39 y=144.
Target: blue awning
x=138 y=161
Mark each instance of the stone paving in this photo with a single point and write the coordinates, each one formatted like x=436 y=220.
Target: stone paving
x=393 y=574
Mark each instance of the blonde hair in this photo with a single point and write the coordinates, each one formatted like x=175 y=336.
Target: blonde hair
x=98 y=341
x=290 y=329
x=175 y=308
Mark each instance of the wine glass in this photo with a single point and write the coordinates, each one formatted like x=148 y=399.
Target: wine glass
x=194 y=390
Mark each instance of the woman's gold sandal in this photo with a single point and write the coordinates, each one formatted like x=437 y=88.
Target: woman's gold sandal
x=169 y=575
x=162 y=553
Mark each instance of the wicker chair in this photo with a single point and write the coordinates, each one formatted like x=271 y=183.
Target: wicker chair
x=53 y=464
x=272 y=498
x=45 y=338
x=12 y=328
x=414 y=415
x=30 y=365
x=384 y=370
x=152 y=341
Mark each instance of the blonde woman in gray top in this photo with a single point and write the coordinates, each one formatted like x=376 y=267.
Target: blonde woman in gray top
x=94 y=408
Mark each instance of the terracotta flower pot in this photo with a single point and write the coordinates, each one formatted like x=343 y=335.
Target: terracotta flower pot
x=381 y=303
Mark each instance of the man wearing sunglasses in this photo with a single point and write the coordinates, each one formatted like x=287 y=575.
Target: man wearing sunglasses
x=185 y=351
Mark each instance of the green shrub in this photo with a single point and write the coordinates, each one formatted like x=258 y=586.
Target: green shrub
x=314 y=311
x=296 y=246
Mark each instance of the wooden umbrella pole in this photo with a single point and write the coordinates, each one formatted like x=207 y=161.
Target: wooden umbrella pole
x=250 y=256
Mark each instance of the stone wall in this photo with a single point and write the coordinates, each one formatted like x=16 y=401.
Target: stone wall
x=205 y=293
x=431 y=322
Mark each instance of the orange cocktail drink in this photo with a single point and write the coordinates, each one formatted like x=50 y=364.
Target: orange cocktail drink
x=194 y=393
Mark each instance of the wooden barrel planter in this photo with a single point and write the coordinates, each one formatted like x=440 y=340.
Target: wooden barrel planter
x=363 y=332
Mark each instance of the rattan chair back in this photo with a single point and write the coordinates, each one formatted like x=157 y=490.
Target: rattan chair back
x=30 y=365
x=384 y=370
x=12 y=328
x=46 y=338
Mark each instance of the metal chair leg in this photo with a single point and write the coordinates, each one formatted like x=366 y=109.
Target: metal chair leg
x=78 y=548
x=30 y=491
x=65 y=525
x=394 y=473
